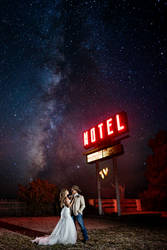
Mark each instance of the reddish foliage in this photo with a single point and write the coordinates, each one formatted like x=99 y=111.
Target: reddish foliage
x=40 y=195
x=155 y=197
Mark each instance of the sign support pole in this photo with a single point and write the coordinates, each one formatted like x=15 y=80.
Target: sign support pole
x=116 y=185
x=98 y=189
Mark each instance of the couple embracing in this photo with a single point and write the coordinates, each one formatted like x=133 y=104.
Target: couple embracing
x=65 y=230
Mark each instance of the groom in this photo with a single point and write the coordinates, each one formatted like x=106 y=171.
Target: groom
x=77 y=210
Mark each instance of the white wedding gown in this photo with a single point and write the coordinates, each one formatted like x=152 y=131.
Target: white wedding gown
x=64 y=232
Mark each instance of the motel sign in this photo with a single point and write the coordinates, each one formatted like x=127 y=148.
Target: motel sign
x=105 y=138
x=105 y=132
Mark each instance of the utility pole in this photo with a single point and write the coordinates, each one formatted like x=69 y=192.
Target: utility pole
x=115 y=170
x=98 y=189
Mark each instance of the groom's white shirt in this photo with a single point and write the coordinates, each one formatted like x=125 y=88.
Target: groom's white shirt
x=78 y=205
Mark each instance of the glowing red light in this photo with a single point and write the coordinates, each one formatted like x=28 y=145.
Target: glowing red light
x=106 y=131
x=110 y=131
x=86 y=141
x=119 y=126
x=92 y=135
x=101 y=133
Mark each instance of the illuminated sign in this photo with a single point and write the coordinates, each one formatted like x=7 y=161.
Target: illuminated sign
x=103 y=172
x=106 y=131
x=104 y=153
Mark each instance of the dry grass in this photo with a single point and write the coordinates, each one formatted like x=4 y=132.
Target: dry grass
x=120 y=235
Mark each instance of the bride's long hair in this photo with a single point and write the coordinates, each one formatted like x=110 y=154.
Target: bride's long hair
x=62 y=196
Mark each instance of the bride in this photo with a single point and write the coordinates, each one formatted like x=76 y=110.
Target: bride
x=65 y=230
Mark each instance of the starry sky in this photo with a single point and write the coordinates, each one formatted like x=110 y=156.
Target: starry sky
x=65 y=66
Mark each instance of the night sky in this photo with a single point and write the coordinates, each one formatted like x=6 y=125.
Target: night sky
x=65 y=66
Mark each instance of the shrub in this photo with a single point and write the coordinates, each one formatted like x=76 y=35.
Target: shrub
x=41 y=197
x=155 y=197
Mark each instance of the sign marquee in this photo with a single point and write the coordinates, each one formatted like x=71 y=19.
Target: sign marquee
x=104 y=153
x=106 y=131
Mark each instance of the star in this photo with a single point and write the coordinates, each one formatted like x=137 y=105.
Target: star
x=65 y=66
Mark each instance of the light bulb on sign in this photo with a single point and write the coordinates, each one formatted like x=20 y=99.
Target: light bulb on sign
x=101 y=133
x=92 y=135
x=101 y=174
x=86 y=142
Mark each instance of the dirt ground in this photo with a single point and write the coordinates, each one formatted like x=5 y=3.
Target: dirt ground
x=126 y=233
x=46 y=224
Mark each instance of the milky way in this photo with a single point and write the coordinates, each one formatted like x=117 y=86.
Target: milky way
x=65 y=65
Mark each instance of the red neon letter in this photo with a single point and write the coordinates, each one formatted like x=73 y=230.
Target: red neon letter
x=100 y=126
x=86 y=138
x=92 y=135
x=119 y=123
x=109 y=127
